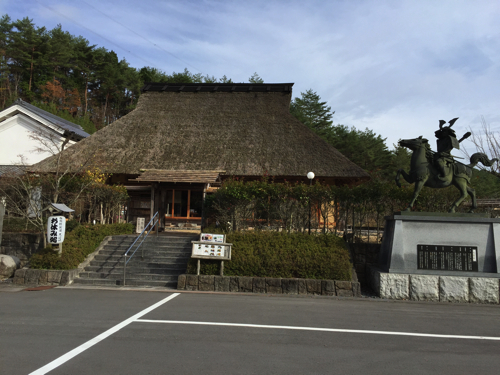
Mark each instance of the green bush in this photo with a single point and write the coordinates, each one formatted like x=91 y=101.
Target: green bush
x=18 y=225
x=79 y=243
x=275 y=254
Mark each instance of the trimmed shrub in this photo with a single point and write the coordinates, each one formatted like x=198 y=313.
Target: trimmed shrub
x=275 y=254
x=79 y=243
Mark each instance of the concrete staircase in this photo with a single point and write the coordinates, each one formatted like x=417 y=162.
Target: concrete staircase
x=165 y=258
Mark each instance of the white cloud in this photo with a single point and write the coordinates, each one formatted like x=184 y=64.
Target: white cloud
x=396 y=67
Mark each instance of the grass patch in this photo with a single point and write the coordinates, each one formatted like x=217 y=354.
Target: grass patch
x=81 y=241
x=274 y=254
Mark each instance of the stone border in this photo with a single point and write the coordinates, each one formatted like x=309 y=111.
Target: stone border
x=435 y=288
x=211 y=283
x=55 y=277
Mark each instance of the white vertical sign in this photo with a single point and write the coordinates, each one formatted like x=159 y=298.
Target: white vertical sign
x=56 y=227
x=141 y=221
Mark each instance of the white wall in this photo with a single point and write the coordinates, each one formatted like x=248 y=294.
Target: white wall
x=15 y=140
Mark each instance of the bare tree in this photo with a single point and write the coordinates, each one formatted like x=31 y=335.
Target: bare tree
x=29 y=192
x=486 y=141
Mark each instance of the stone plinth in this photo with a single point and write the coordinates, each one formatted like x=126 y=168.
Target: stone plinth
x=405 y=231
x=435 y=288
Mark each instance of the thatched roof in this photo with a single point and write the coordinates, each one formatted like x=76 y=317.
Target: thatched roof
x=158 y=175
x=243 y=129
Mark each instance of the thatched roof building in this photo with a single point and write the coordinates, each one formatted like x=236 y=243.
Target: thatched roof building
x=241 y=130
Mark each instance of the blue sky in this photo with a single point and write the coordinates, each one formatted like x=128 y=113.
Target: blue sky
x=396 y=67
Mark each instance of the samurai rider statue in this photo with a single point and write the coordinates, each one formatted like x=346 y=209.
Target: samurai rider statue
x=446 y=141
x=439 y=169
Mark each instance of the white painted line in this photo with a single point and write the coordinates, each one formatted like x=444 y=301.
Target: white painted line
x=322 y=329
x=73 y=353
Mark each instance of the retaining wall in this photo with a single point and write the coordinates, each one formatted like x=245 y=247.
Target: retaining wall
x=364 y=255
x=27 y=276
x=55 y=277
x=21 y=245
x=211 y=283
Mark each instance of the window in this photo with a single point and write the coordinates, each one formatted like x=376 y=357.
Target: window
x=183 y=203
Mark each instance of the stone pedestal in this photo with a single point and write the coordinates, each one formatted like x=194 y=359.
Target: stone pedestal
x=404 y=232
x=439 y=257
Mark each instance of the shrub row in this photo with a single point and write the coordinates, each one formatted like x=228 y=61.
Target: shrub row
x=265 y=204
x=281 y=255
x=79 y=243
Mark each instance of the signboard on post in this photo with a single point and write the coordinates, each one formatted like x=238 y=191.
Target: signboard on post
x=56 y=228
x=211 y=246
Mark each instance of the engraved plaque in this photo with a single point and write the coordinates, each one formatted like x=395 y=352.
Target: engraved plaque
x=447 y=258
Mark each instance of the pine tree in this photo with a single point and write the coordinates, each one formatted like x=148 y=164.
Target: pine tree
x=312 y=112
x=255 y=78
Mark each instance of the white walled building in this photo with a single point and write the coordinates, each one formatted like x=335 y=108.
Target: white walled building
x=20 y=122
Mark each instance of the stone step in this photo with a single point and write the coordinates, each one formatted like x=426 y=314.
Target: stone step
x=99 y=281
x=104 y=255
x=129 y=282
x=145 y=263
x=165 y=258
x=147 y=248
x=157 y=269
x=136 y=257
x=151 y=283
x=135 y=276
x=165 y=240
x=126 y=245
x=165 y=250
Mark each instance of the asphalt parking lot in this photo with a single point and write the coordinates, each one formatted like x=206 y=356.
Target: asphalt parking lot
x=95 y=331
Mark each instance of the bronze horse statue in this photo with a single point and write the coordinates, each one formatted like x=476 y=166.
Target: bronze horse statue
x=424 y=173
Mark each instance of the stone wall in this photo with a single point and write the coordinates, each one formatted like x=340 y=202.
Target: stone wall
x=55 y=277
x=26 y=276
x=21 y=245
x=435 y=288
x=364 y=255
x=211 y=283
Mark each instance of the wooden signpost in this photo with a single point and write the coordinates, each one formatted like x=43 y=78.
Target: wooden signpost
x=211 y=246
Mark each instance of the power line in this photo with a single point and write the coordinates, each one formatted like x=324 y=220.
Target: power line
x=139 y=35
x=93 y=32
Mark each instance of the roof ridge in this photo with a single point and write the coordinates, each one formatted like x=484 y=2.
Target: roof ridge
x=47 y=115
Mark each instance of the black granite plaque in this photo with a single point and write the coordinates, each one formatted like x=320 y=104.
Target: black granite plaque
x=447 y=258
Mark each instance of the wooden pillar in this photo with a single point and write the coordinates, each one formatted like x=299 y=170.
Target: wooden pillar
x=162 y=205
x=152 y=212
x=203 y=218
x=173 y=203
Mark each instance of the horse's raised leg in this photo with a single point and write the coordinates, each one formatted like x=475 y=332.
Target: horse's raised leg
x=405 y=175
x=461 y=184
x=472 y=194
x=418 y=187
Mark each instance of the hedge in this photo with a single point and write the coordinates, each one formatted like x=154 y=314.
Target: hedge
x=80 y=242
x=276 y=254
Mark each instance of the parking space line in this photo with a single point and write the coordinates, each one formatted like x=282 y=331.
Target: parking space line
x=73 y=353
x=322 y=329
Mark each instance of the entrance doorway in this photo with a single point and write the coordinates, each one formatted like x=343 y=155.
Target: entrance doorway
x=183 y=205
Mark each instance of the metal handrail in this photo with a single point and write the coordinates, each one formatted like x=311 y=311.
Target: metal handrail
x=125 y=261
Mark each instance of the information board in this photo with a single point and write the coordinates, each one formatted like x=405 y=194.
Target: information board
x=447 y=258
x=56 y=227
x=209 y=250
x=209 y=237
